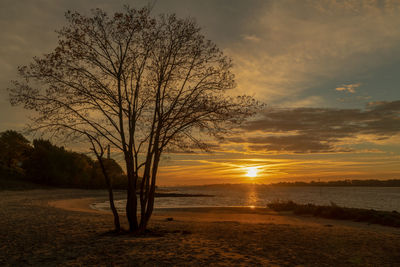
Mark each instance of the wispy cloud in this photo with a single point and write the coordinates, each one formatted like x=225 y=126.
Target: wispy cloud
x=351 y=88
x=251 y=38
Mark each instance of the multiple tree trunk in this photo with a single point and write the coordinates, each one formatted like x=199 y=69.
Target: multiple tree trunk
x=139 y=83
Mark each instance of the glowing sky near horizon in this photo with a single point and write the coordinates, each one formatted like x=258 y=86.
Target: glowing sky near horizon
x=328 y=71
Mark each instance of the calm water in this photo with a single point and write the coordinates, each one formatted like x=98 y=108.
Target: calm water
x=379 y=198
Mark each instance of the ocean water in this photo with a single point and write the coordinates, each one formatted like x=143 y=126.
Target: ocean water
x=378 y=198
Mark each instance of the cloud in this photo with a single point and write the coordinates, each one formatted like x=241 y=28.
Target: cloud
x=251 y=38
x=309 y=101
x=351 y=88
x=321 y=130
x=302 y=44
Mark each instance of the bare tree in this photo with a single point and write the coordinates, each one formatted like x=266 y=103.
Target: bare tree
x=138 y=82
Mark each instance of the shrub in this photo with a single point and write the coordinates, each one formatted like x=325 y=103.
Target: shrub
x=336 y=212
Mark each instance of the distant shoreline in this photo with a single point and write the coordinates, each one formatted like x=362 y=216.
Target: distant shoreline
x=181 y=195
x=345 y=183
x=338 y=183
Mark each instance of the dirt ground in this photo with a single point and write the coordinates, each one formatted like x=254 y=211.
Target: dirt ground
x=57 y=228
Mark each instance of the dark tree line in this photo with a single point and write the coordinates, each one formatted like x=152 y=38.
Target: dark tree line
x=45 y=163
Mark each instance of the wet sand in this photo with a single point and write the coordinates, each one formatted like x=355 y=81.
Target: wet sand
x=58 y=228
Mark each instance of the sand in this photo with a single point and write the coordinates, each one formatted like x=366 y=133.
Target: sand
x=58 y=228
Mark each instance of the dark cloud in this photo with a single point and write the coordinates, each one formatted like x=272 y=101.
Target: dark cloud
x=310 y=130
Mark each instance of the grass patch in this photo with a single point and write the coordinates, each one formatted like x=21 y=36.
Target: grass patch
x=333 y=211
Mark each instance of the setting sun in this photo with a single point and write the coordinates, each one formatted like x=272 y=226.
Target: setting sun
x=251 y=172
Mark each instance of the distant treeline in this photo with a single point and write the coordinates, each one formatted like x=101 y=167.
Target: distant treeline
x=47 y=164
x=374 y=183
x=371 y=183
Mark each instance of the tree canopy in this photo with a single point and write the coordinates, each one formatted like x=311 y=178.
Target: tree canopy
x=14 y=148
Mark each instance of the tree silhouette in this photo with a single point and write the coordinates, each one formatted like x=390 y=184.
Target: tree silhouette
x=14 y=149
x=137 y=82
x=49 y=164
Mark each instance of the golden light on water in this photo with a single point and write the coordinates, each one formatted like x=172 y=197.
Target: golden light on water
x=252 y=172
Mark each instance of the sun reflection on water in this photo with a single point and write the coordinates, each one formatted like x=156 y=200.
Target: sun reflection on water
x=252 y=197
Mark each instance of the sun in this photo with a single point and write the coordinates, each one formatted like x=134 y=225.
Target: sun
x=251 y=172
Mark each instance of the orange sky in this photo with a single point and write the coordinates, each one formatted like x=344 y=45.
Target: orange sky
x=233 y=168
x=328 y=71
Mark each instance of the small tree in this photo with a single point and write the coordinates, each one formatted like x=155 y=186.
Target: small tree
x=139 y=83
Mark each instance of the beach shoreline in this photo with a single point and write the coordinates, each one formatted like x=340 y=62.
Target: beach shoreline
x=58 y=227
x=244 y=214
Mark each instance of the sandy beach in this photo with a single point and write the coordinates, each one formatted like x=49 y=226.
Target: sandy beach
x=58 y=228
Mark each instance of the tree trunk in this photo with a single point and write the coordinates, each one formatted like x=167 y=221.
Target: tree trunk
x=131 y=207
x=114 y=211
x=117 y=224
x=131 y=203
x=143 y=199
x=145 y=217
x=148 y=211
